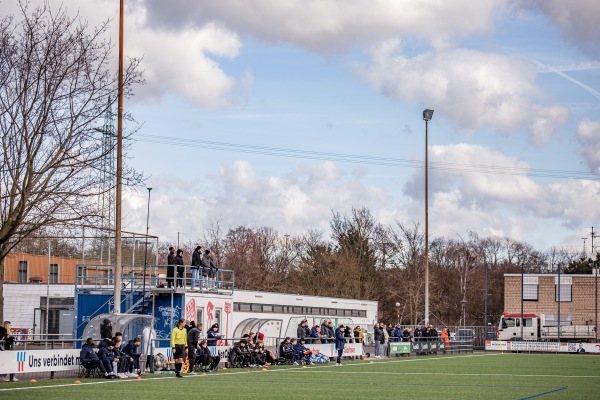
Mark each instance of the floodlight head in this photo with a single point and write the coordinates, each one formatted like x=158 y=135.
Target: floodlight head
x=427 y=114
x=149 y=189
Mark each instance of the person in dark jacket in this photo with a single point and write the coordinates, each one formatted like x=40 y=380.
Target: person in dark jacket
x=286 y=350
x=171 y=268
x=89 y=359
x=397 y=334
x=348 y=334
x=301 y=331
x=180 y=268
x=379 y=340
x=208 y=361
x=210 y=265
x=302 y=352
x=106 y=329
x=196 y=265
x=193 y=338
x=315 y=334
x=123 y=361
x=213 y=335
x=324 y=328
x=340 y=342
x=131 y=349
x=239 y=354
x=106 y=357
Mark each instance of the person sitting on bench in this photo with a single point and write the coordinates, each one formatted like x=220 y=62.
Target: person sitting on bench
x=90 y=360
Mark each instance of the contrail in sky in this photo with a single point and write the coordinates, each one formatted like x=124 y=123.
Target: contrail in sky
x=585 y=87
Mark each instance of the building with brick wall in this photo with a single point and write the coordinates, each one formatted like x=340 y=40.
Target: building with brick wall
x=540 y=296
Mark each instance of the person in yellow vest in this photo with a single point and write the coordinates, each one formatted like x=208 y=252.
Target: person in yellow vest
x=179 y=345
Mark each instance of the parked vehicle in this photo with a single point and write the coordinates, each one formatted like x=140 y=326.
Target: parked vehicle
x=537 y=327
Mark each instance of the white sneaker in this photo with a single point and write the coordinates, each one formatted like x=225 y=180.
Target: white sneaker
x=338 y=365
x=192 y=373
x=296 y=363
x=14 y=380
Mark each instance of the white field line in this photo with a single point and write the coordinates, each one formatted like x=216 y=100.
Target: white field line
x=315 y=369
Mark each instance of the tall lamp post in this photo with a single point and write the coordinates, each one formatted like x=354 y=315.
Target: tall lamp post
x=119 y=183
x=146 y=245
x=427 y=114
x=398 y=312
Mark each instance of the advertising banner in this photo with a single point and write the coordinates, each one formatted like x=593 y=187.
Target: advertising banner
x=551 y=347
x=400 y=348
x=25 y=361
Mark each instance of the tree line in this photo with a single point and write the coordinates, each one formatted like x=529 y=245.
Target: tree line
x=364 y=259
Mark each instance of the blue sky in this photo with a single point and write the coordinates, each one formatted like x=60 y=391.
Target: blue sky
x=514 y=85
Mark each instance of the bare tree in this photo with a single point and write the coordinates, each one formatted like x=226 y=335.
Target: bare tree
x=56 y=83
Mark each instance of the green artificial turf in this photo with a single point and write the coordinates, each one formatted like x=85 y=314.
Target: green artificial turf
x=471 y=376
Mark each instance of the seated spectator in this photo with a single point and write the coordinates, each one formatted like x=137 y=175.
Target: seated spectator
x=286 y=351
x=359 y=336
x=105 y=355
x=205 y=359
x=89 y=359
x=258 y=355
x=270 y=357
x=239 y=356
x=302 y=352
x=122 y=361
x=131 y=349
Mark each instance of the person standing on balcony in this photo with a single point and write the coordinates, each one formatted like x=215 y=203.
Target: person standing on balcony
x=180 y=268
x=196 y=265
x=171 y=267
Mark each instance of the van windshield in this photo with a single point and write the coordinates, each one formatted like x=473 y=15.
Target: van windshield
x=508 y=323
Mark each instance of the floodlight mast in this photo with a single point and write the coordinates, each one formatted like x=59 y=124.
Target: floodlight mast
x=427 y=115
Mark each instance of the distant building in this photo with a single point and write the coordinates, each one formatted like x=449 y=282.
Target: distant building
x=540 y=296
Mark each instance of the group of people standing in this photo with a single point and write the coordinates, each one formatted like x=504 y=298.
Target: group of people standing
x=186 y=343
x=326 y=333
x=203 y=264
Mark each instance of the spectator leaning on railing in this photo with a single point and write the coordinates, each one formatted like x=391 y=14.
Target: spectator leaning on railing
x=8 y=341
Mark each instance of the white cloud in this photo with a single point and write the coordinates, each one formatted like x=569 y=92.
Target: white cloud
x=487 y=202
x=578 y=20
x=471 y=88
x=333 y=25
x=290 y=202
x=588 y=134
x=174 y=60
x=177 y=60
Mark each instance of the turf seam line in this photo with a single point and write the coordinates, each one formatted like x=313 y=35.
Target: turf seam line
x=543 y=394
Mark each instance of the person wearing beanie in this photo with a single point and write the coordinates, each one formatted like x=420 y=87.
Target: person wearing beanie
x=106 y=329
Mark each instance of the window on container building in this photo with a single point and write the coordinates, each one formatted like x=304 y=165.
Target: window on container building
x=22 y=271
x=53 y=275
